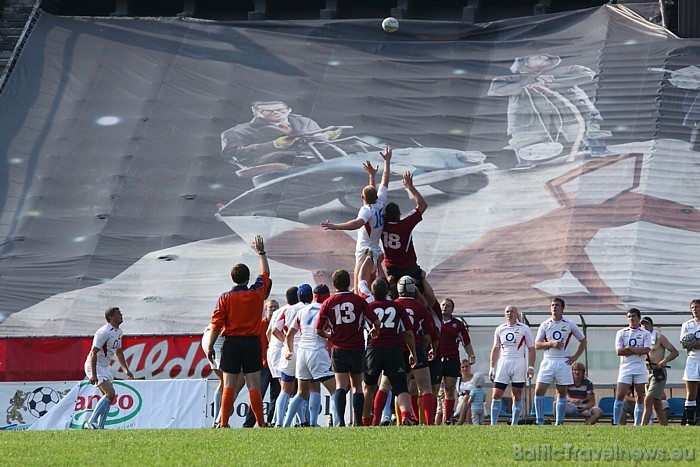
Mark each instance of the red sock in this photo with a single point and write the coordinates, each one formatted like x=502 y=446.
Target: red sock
x=366 y=421
x=256 y=405
x=448 y=409
x=429 y=408
x=406 y=417
x=227 y=397
x=379 y=402
x=414 y=407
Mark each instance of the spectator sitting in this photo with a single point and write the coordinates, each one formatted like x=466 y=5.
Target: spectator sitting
x=580 y=396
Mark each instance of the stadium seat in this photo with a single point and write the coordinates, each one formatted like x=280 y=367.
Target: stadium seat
x=606 y=405
x=676 y=406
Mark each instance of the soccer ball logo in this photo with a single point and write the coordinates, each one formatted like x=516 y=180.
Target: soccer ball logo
x=41 y=400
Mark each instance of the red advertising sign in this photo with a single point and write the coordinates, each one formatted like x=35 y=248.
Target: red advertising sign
x=63 y=358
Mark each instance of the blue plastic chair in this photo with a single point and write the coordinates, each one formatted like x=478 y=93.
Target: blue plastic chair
x=676 y=406
x=606 y=405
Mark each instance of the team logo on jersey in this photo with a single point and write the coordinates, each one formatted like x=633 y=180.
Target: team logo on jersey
x=454 y=325
x=125 y=406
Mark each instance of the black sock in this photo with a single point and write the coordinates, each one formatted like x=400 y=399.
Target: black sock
x=339 y=399
x=358 y=405
x=689 y=415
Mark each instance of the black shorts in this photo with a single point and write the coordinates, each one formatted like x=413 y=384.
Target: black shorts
x=451 y=367
x=435 y=366
x=348 y=361
x=415 y=272
x=241 y=352
x=389 y=361
x=421 y=359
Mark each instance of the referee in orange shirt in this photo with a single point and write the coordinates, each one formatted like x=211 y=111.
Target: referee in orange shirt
x=237 y=318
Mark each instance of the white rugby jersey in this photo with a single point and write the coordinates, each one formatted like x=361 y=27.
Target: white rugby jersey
x=305 y=323
x=637 y=338
x=513 y=340
x=290 y=317
x=108 y=339
x=370 y=234
x=692 y=326
x=274 y=342
x=563 y=331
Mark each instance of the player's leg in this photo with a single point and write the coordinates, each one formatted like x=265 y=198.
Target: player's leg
x=545 y=377
x=691 y=376
x=295 y=405
x=358 y=398
x=342 y=384
x=496 y=396
x=99 y=416
x=620 y=392
x=425 y=392
x=517 y=407
x=217 y=397
x=560 y=408
x=380 y=401
x=639 y=393
x=251 y=362
x=286 y=391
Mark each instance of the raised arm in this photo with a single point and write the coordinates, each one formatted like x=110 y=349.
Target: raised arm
x=386 y=174
x=421 y=204
x=259 y=246
x=372 y=171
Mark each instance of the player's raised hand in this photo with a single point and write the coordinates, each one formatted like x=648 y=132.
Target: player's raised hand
x=386 y=154
x=258 y=243
x=407 y=179
x=328 y=225
x=370 y=169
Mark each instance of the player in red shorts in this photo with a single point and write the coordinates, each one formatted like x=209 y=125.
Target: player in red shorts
x=422 y=327
x=452 y=334
x=346 y=314
x=384 y=354
x=397 y=240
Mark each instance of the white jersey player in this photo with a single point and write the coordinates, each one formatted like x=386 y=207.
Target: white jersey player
x=313 y=362
x=554 y=337
x=691 y=375
x=512 y=360
x=632 y=345
x=369 y=222
x=106 y=345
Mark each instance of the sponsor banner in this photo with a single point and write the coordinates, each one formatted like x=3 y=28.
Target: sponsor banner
x=62 y=358
x=138 y=404
x=25 y=403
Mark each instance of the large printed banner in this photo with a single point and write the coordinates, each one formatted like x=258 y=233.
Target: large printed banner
x=138 y=158
x=63 y=358
x=139 y=404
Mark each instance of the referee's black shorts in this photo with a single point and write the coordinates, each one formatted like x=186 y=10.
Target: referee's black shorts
x=241 y=352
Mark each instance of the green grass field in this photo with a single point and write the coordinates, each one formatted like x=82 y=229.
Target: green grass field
x=468 y=445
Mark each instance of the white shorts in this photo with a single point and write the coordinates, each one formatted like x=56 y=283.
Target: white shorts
x=103 y=373
x=274 y=353
x=374 y=254
x=313 y=364
x=555 y=370
x=692 y=370
x=288 y=367
x=630 y=378
x=510 y=370
x=218 y=345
